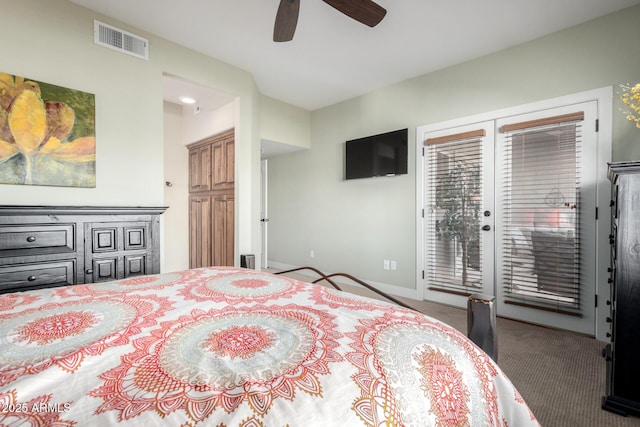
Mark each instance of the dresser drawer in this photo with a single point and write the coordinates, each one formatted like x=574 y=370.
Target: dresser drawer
x=34 y=239
x=27 y=276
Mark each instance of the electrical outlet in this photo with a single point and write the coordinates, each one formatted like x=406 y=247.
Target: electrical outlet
x=386 y=264
x=394 y=265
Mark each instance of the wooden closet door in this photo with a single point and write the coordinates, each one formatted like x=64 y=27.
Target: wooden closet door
x=222 y=160
x=200 y=168
x=200 y=231
x=223 y=218
x=211 y=200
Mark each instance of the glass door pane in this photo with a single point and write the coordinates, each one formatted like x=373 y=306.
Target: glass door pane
x=540 y=214
x=457 y=198
x=545 y=236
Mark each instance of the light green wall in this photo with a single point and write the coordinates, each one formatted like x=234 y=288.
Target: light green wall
x=284 y=123
x=176 y=171
x=52 y=41
x=353 y=226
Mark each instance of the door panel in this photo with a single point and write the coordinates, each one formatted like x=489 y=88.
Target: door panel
x=264 y=214
x=459 y=193
x=200 y=231
x=222 y=230
x=200 y=168
x=546 y=233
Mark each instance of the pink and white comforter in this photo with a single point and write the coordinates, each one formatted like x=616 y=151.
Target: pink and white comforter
x=232 y=347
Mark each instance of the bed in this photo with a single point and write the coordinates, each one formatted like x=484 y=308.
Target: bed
x=237 y=347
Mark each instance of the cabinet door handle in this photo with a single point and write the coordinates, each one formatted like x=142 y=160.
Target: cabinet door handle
x=31 y=278
x=89 y=271
x=31 y=239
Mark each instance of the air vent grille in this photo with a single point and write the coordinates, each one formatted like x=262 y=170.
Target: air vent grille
x=123 y=41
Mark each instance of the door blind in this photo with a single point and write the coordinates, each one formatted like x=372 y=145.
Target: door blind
x=541 y=197
x=454 y=202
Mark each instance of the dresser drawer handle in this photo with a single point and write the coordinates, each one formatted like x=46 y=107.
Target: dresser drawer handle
x=31 y=278
x=31 y=239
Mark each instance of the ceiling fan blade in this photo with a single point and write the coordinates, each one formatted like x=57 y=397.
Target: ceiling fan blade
x=364 y=11
x=286 y=20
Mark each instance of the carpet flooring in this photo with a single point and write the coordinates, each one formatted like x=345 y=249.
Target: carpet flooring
x=560 y=374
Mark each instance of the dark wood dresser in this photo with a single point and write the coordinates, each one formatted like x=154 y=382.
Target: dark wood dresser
x=622 y=354
x=47 y=246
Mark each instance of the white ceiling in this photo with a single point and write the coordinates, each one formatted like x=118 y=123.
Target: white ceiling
x=332 y=57
x=206 y=98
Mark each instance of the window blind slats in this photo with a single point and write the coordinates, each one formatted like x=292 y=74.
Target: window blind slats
x=541 y=187
x=455 y=198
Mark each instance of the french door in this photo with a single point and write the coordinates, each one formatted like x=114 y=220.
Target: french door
x=509 y=212
x=459 y=212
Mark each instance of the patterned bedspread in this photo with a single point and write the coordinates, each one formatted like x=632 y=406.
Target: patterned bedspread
x=232 y=347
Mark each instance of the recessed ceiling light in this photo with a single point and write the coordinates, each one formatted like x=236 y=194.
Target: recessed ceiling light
x=187 y=100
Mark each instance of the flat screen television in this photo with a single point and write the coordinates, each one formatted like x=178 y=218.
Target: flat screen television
x=377 y=155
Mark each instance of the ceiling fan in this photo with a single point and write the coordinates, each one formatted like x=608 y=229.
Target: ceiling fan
x=364 y=11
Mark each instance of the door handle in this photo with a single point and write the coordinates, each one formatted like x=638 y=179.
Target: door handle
x=486 y=227
x=264 y=220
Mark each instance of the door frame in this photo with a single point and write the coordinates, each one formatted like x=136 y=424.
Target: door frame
x=264 y=214
x=604 y=99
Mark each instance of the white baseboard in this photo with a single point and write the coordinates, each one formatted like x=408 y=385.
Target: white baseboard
x=384 y=287
x=280 y=265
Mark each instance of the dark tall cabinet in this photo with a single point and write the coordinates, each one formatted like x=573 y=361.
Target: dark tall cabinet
x=623 y=353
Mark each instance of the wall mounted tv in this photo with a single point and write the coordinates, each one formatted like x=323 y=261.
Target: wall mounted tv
x=377 y=155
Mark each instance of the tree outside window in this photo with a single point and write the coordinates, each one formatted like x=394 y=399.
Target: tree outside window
x=458 y=195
